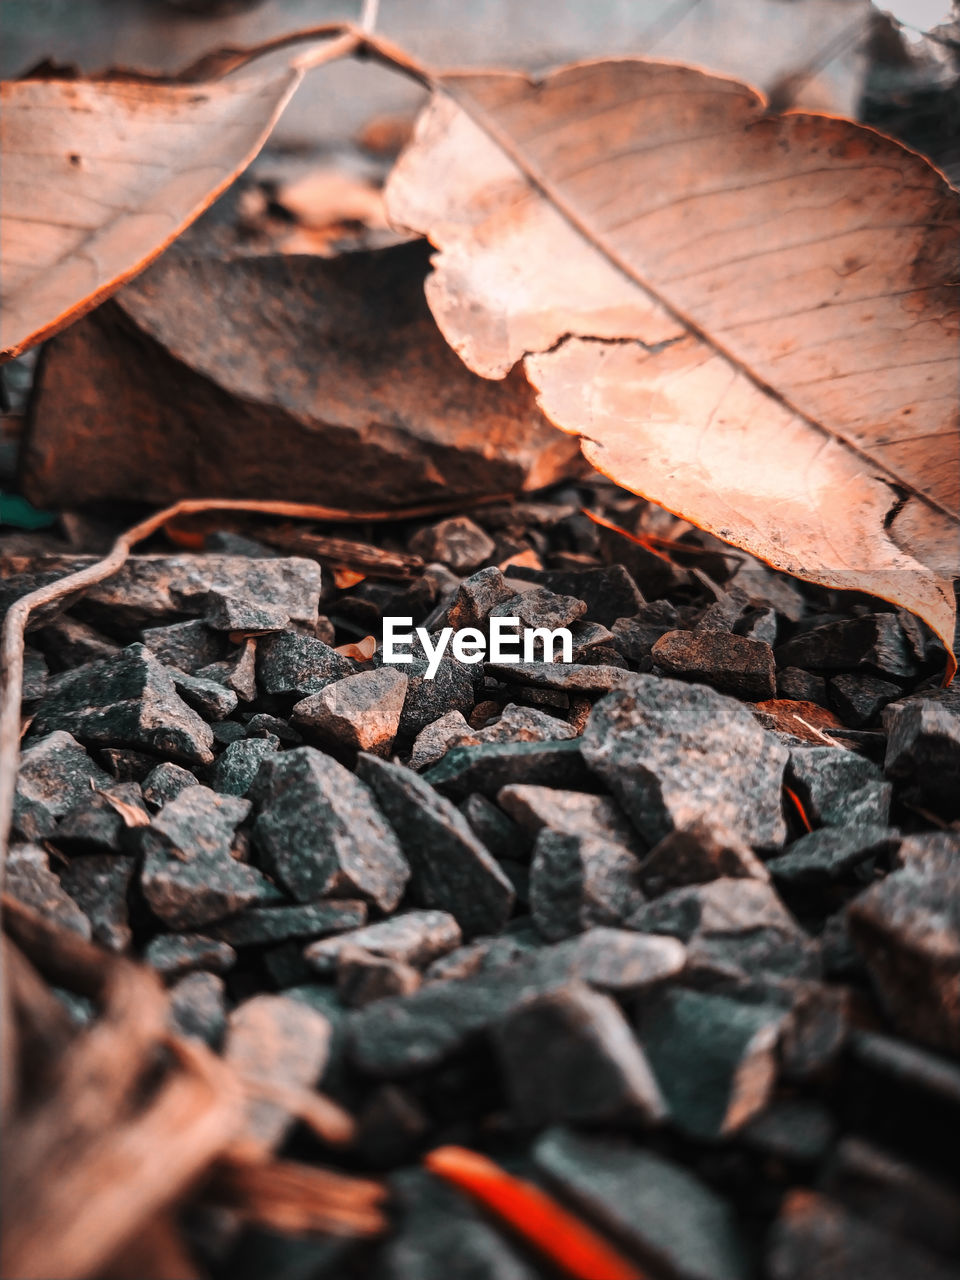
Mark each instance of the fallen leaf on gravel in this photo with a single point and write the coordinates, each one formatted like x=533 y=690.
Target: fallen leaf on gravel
x=99 y=175
x=749 y=317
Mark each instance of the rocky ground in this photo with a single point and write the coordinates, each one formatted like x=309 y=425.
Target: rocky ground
x=673 y=930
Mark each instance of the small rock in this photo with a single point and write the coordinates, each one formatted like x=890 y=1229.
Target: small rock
x=363 y=977
x=234 y=771
x=524 y=724
x=714 y=1059
x=838 y=788
x=719 y=906
x=434 y=740
x=128 y=701
x=450 y=869
x=859 y=697
x=55 y=775
x=282 y=1042
x=71 y=643
x=635 y=636
x=666 y=1216
x=491 y=766
x=570 y=1054
x=795 y=1130
x=476 y=596
x=214 y=701
x=608 y=592
x=263 y=725
x=29 y=880
x=198 y=1008
x=451 y=689
x=292 y=665
x=539 y=607
x=175 y=954
x=457 y=542
x=225 y=612
x=832 y=853
x=94 y=823
x=187 y=646
x=320 y=831
x=494 y=829
x=728 y=663
x=569 y=677
x=358 y=713
x=237 y=672
x=577 y=881
x=165 y=782
x=100 y=886
x=261 y=925
x=923 y=747
x=573 y=813
x=696 y=855
x=673 y=753
x=875 y=642
x=796 y=685
x=412 y=937
x=227 y=731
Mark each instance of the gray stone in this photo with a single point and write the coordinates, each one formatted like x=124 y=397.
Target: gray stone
x=668 y=1218
x=174 y=954
x=127 y=701
x=494 y=829
x=412 y=937
x=451 y=689
x=476 y=597
x=100 y=886
x=494 y=765
x=214 y=701
x=243 y=614
x=875 y=642
x=28 y=879
x=798 y=685
x=235 y=769
x=538 y=607
x=96 y=824
x=524 y=724
x=569 y=677
x=574 y=813
x=832 y=853
x=570 y=1054
x=263 y=725
x=457 y=542
x=165 y=782
x=608 y=591
x=71 y=642
x=188 y=646
x=858 y=697
x=363 y=977
x=319 y=831
x=359 y=713
x=198 y=1008
x=577 y=881
x=728 y=663
x=838 y=788
x=237 y=672
x=55 y=775
x=434 y=740
x=695 y=855
x=259 y=926
x=281 y=1042
x=673 y=753
x=795 y=1130
x=714 y=1059
x=923 y=747
x=406 y=1035
x=449 y=867
x=292 y=665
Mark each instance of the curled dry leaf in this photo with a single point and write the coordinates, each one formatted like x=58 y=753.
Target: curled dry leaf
x=749 y=317
x=100 y=175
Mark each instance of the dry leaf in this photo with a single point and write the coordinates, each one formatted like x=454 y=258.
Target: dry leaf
x=131 y=815
x=100 y=175
x=750 y=318
x=362 y=651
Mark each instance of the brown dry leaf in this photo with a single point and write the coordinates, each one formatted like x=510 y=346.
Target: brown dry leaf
x=362 y=651
x=748 y=317
x=100 y=175
x=131 y=815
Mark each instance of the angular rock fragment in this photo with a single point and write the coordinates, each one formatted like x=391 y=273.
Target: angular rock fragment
x=358 y=713
x=832 y=853
x=451 y=689
x=794 y=1130
x=100 y=820
x=838 y=788
x=816 y=1239
x=130 y=701
x=673 y=753
x=187 y=646
x=281 y=1042
x=457 y=542
x=213 y=700
x=907 y=929
x=174 y=954
x=608 y=591
x=405 y=1035
x=859 y=697
x=28 y=879
x=923 y=747
x=577 y=881
x=55 y=775
x=258 y=926
x=245 y=614
x=570 y=1054
x=292 y=665
x=71 y=642
x=524 y=724
x=569 y=677
x=319 y=831
x=237 y=672
x=476 y=596
x=434 y=740
x=796 y=685
x=165 y=782
x=100 y=886
x=412 y=937
x=728 y=663
x=539 y=607
x=449 y=868
x=492 y=766
x=670 y=1221
x=714 y=1058
x=636 y=635
x=198 y=1007
x=494 y=829
x=363 y=977
x=575 y=813
x=695 y=855
x=234 y=771
x=876 y=642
